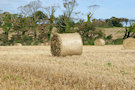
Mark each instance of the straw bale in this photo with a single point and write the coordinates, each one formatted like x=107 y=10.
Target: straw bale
x=99 y=42
x=41 y=44
x=66 y=44
x=129 y=43
x=17 y=44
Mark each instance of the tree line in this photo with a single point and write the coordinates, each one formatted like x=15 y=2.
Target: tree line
x=34 y=24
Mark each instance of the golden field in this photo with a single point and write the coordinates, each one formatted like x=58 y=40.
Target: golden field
x=98 y=68
x=116 y=32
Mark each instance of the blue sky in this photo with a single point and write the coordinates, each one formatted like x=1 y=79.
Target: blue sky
x=106 y=9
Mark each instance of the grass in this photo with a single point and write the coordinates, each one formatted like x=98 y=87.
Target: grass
x=109 y=64
x=98 y=68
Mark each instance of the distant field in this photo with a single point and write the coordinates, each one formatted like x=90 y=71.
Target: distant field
x=116 y=32
x=98 y=68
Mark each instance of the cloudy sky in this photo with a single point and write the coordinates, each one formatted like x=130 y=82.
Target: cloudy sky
x=106 y=9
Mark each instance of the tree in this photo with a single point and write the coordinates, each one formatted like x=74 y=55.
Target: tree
x=50 y=11
x=62 y=24
x=69 y=6
x=124 y=21
x=113 y=21
x=89 y=33
x=81 y=21
x=65 y=24
x=92 y=9
x=129 y=31
x=40 y=16
x=1 y=17
x=7 y=23
x=89 y=16
x=30 y=10
x=99 y=23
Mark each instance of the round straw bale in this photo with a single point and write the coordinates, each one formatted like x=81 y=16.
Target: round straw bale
x=17 y=44
x=99 y=42
x=41 y=44
x=47 y=44
x=129 y=43
x=66 y=44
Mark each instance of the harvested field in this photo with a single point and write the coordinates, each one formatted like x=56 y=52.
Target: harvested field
x=98 y=68
x=115 y=32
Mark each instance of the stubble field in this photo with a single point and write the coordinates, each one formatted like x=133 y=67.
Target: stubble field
x=98 y=68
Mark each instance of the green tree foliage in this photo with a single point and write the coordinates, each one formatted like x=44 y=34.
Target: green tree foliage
x=21 y=27
x=39 y=16
x=116 y=22
x=50 y=11
x=89 y=16
x=64 y=24
x=112 y=22
x=101 y=23
x=69 y=6
x=89 y=33
x=51 y=17
x=129 y=31
x=7 y=24
x=30 y=10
